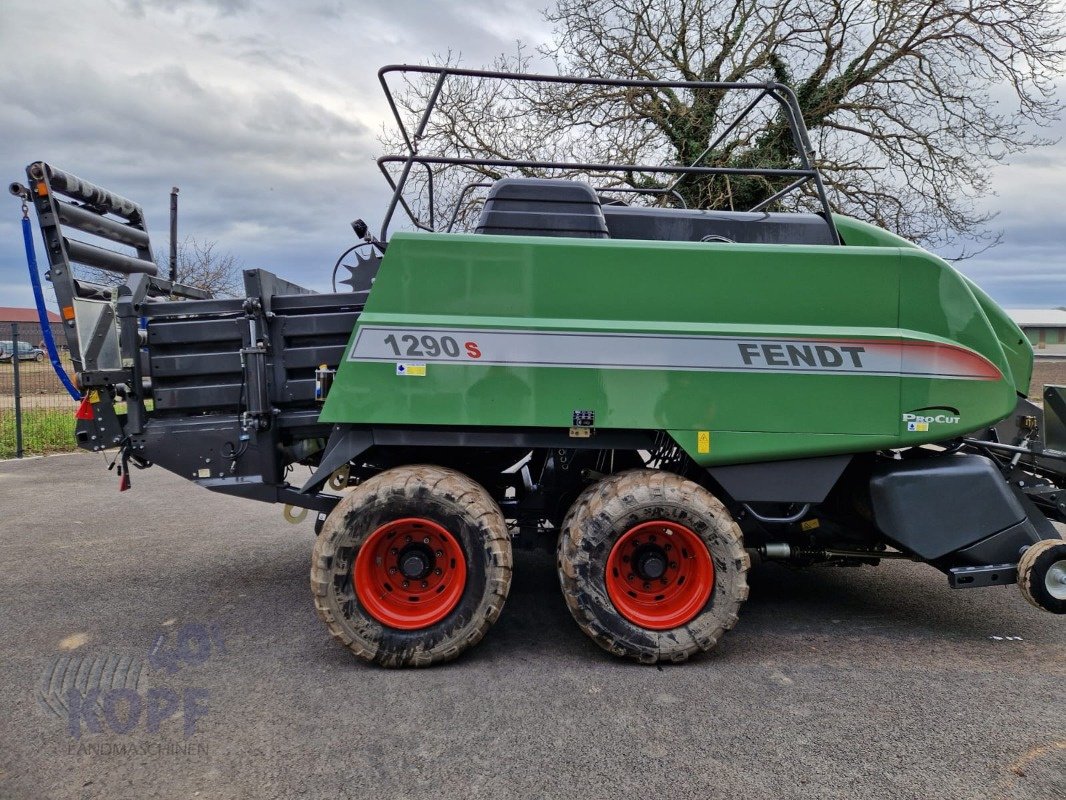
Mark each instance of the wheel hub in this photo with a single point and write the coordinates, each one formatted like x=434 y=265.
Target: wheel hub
x=651 y=562
x=410 y=573
x=659 y=575
x=1055 y=580
x=415 y=562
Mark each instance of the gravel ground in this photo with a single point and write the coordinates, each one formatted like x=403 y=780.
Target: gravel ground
x=865 y=683
x=1047 y=372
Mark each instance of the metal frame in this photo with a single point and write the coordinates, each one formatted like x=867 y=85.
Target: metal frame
x=779 y=93
x=63 y=200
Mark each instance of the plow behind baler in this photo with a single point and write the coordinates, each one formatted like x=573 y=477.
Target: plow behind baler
x=663 y=395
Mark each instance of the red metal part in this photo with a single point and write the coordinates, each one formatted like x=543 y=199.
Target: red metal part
x=85 y=409
x=673 y=598
x=409 y=602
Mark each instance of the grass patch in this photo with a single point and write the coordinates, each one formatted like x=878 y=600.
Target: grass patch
x=43 y=431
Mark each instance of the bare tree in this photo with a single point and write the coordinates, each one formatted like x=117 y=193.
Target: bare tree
x=200 y=264
x=910 y=103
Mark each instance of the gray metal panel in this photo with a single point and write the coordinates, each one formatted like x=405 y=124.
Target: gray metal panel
x=197 y=397
x=342 y=301
x=195 y=364
x=312 y=357
x=297 y=390
x=97 y=333
x=1004 y=547
x=1055 y=417
x=319 y=325
x=345 y=443
x=934 y=506
x=195 y=330
x=180 y=308
x=804 y=480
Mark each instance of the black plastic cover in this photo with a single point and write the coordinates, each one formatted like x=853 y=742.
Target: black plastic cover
x=690 y=225
x=801 y=480
x=542 y=207
x=935 y=506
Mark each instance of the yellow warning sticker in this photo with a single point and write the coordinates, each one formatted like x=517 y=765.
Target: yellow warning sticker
x=94 y=396
x=411 y=370
x=703 y=441
x=809 y=524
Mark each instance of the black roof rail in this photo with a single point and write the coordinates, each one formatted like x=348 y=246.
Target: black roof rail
x=777 y=92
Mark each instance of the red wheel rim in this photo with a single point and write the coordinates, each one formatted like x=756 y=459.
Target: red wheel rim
x=410 y=573
x=659 y=575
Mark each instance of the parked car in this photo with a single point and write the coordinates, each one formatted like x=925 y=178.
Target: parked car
x=27 y=352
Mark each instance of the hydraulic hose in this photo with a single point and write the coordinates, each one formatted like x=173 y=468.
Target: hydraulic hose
x=42 y=313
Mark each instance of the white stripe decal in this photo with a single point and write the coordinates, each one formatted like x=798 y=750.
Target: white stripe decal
x=522 y=348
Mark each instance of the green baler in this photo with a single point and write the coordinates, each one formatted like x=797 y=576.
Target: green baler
x=662 y=395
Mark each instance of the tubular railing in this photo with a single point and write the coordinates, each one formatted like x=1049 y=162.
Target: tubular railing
x=779 y=93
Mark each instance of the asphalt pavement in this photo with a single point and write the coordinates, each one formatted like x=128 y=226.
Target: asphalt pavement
x=190 y=614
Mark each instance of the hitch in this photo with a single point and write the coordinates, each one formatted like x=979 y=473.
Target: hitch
x=123 y=459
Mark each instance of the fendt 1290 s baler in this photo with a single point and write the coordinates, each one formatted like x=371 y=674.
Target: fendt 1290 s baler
x=663 y=394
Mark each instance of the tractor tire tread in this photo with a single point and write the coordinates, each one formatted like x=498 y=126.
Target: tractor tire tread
x=625 y=493
x=414 y=482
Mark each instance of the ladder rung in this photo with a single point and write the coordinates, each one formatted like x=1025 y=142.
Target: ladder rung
x=99 y=225
x=94 y=256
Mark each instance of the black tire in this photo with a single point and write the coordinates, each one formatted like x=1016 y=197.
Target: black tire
x=1040 y=574
x=616 y=504
x=440 y=495
x=38 y=357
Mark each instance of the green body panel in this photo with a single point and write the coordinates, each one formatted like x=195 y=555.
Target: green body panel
x=1017 y=350
x=535 y=285
x=856 y=233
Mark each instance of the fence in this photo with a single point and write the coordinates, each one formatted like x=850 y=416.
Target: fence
x=36 y=413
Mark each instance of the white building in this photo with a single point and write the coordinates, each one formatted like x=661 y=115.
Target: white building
x=1045 y=328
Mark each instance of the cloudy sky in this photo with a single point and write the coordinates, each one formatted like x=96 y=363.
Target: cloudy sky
x=266 y=114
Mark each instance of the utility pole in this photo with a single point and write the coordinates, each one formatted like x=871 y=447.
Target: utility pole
x=174 y=234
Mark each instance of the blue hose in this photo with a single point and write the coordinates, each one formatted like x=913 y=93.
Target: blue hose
x=42 y=313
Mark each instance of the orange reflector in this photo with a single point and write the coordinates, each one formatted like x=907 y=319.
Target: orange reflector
x=42 y=190
x=85 y=409
x=68 y=312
